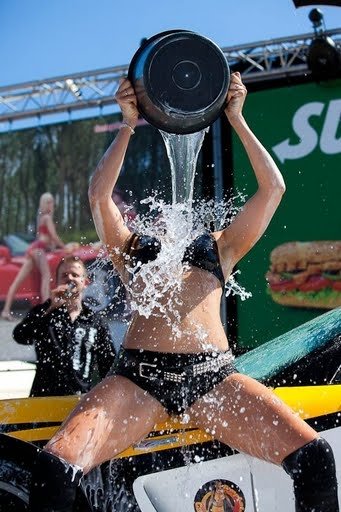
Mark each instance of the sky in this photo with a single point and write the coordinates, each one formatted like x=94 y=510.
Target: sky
x=41 y=39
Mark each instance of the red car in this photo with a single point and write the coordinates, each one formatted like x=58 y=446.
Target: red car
x=12 y=254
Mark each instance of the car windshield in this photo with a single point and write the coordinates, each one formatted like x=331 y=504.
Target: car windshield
x=16 y=245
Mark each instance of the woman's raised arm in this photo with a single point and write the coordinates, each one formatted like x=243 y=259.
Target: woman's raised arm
x=251 y=222
x=108 y=220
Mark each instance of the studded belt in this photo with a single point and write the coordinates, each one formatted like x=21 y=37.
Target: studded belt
x=152 y=371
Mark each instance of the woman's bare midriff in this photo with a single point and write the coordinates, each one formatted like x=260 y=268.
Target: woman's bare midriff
x=46 y=239
x=196 y=327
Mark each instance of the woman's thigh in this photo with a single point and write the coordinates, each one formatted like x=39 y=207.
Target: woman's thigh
x=40 y=260
x=26 y=268
x=108 y=419
x=249 y=417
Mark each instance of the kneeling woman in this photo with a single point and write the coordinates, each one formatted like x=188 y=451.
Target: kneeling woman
x=159 y=374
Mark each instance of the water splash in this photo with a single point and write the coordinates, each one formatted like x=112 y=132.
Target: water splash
x=155 y=287
x=232 y=287
x=108 y=488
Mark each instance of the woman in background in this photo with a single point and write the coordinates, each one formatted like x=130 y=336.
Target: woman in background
x=35 y=256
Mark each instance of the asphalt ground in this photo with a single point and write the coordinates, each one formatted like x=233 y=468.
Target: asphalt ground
x=17 y=366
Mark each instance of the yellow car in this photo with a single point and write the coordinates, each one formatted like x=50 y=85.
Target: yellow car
x=177 y=466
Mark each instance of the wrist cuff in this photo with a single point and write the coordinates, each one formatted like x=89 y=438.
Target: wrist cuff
x=126 y=125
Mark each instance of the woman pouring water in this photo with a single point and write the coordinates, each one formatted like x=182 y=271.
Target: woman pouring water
x=165 y=368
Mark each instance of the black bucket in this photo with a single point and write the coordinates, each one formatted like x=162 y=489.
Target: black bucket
x=180 y=80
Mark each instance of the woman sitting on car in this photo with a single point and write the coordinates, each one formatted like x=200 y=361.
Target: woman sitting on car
x=35 y=256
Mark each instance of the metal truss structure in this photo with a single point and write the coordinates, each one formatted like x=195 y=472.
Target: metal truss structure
x=260 y=61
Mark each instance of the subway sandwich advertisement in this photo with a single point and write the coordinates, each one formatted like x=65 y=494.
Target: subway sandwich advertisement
x=294 y=271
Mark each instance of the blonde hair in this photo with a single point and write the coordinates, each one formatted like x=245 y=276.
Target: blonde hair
x=44 y=198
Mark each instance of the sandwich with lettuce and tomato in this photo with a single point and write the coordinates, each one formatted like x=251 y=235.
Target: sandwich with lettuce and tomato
x=306 y=274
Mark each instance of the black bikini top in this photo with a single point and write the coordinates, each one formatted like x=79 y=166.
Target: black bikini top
x=202 y=253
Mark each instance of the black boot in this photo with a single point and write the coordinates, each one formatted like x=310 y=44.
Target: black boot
x=54 y=484
x=312 y=468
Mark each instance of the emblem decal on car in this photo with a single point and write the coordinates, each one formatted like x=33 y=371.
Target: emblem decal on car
x=219 y=496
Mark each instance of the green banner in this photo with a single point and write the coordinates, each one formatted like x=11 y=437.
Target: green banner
x=300 y=126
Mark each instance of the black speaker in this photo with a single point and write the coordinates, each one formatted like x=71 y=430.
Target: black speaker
x=324 y=58
x=180 y=79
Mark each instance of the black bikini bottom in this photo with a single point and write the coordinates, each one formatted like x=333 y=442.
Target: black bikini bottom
x=175 y=380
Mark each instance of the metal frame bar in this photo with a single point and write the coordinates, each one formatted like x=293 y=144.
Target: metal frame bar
x=260 y=61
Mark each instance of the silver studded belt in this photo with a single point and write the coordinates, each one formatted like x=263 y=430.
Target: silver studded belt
x=152 y=371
